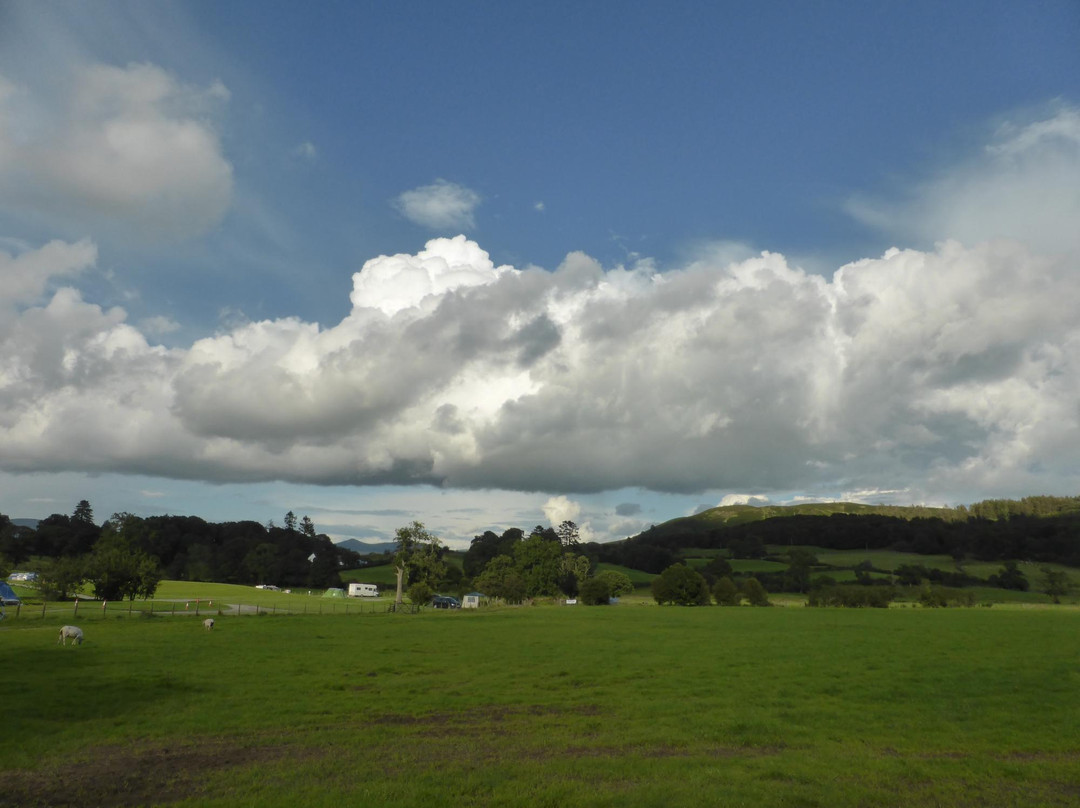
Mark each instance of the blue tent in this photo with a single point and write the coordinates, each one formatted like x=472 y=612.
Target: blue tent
x=8 y=596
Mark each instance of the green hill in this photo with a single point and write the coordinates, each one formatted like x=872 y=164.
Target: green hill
x=740 y=514
x=1039 y=529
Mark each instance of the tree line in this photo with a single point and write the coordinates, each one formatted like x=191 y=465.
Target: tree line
x=127 y=555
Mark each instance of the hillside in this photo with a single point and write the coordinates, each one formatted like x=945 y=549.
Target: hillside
x=1044 y=529
x=740 y=514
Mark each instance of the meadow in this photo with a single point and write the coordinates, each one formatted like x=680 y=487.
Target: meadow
x=628 y=705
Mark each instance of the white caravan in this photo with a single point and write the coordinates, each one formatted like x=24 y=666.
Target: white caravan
x=363 y=591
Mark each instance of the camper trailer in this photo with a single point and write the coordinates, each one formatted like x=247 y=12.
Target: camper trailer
x=363 y=591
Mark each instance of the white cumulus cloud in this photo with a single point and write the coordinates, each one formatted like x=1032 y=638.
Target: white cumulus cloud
x=949 y=373
x=561 y=509
x=440 y=206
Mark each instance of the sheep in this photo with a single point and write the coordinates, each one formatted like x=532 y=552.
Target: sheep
x=208 y=623
x=73 y=633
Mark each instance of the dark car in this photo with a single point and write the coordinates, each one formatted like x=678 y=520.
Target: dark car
x=445 y=602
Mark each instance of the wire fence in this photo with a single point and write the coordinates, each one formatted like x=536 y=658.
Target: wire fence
x=196 y=607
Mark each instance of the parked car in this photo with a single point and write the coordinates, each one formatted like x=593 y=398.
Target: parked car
x=445 y=602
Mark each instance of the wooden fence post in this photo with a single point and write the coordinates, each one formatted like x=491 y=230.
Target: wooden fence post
x=76 y=607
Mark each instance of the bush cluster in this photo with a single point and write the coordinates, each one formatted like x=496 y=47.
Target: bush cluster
x=852 y=596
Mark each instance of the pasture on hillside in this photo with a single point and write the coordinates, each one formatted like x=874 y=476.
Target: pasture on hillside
x=615 y=706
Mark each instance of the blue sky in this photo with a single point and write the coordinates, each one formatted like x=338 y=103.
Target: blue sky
x=633 y=305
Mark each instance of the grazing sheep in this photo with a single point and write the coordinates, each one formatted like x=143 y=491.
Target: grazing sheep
x=73 y=633
x=208 y=623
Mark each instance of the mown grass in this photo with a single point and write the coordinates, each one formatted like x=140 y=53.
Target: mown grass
x=625 y=706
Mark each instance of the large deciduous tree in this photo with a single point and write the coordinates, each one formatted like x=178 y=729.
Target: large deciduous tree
x=539 y=560
x=682 y=586
x=118 y=567
x=501 y=579
x=418 y=558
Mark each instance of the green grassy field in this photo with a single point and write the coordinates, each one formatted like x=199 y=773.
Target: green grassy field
x=619 y=706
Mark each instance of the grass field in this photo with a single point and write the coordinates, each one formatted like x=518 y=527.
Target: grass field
x=618 y=706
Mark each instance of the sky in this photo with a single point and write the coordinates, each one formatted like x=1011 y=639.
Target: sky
x=490 y=265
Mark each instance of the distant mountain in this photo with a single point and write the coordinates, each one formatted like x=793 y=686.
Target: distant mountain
x=364 y=547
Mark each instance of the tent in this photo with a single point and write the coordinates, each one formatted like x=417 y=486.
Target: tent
x=8 y=596
x=472 y=600
x=334 y=593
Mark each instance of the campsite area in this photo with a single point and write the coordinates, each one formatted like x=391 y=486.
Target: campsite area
x=631 y=705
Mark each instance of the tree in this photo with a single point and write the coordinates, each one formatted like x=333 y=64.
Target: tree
x=501 y=579
x=418 y=557
x=263 y=563
x=755 y=593
x=307 y=527
x=118 y=568
x=539 y=560
x=726 y=592
x=682 y=586
x=596 y=592
x=574 y=571
x=485 y=547
x=569 y=535
x=717 y=568
x=1055 y=583
x=420 y=592
x=290 y=522
x=60 y=578
x=83 y=513
x=618 y=583
x=1009 y=577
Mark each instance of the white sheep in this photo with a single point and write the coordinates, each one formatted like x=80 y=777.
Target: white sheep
x=208 y=623
x=73 y=633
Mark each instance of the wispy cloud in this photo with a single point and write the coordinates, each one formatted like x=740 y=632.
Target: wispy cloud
x=1022 y=185
x=128 y=150
x=306 y=150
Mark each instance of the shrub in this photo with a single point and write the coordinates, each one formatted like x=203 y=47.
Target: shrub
x=619 y=583
x=941 y=596
x=420 y=592
x=595 y=592
x=755 y=593
x=852 y=596
x=726 y=592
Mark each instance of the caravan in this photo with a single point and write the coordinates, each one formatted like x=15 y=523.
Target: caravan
x=363 y=591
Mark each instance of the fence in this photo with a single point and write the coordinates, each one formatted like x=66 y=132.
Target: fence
x=196 y=607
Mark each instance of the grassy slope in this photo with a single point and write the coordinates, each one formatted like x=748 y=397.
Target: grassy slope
x=619 y=706
x=740 y=514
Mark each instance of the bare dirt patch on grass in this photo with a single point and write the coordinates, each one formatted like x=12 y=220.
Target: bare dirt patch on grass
x=116 y=777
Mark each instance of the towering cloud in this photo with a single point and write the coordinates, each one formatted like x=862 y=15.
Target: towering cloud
x=948 y=371
x=955 y=367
